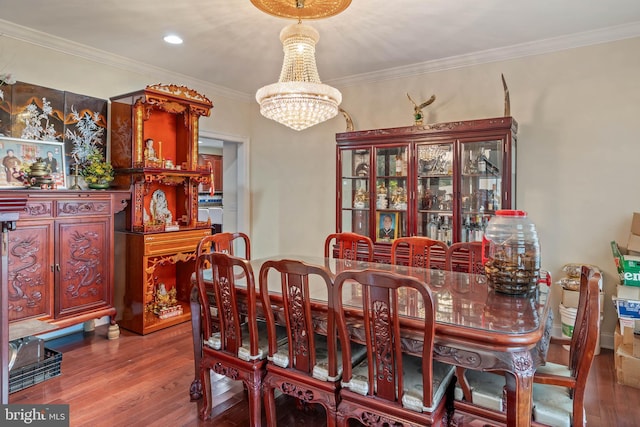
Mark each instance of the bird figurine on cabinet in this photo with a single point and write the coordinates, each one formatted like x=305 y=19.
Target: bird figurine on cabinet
x=417 y=109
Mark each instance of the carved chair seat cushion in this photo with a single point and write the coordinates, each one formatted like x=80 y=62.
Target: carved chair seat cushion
x=244 y=352
x=412 y=398
x=554 y=369
x=552 y=405
x=321 y=368
x=487 y=389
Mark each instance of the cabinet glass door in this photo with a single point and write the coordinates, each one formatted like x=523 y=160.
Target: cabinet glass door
x=355 y=190
x=480 y=186
x=391 y=192
x=435 y=198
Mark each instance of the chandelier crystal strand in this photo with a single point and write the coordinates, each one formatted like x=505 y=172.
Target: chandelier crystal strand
x=299 y=99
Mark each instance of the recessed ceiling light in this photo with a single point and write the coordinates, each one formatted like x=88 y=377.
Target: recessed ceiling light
x=173 y=39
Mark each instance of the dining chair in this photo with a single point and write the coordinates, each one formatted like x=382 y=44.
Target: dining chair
x=558 y=389
x=390 y=387
x=306 y=364
x=419 y=251
x=222 y=243
x=237 y=349
x=225 y=242
x=465 y=257
x=347 y=245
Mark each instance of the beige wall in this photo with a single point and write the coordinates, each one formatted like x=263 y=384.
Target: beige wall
x=577 y=155
x=578 y=152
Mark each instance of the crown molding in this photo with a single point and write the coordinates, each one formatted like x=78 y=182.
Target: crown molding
x=538 y=47
x=605 y=35
x=38 y=38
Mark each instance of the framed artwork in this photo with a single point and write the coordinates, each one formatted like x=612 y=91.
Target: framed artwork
x=85 y=127
x=36 y=112
x=386 y=224
x=17 y=154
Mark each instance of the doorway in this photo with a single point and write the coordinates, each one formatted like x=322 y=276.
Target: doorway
x=235 y=178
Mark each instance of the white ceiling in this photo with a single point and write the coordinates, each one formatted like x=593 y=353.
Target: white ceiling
x=231 y=44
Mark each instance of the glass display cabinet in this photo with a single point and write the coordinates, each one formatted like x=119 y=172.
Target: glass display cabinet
x=442 y=181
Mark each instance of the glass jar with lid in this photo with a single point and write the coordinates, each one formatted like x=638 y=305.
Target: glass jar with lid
x=511 y=253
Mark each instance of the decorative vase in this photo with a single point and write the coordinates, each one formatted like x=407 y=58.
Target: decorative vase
x=99 y=185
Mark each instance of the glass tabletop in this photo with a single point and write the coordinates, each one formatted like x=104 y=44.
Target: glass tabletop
x=460 y=299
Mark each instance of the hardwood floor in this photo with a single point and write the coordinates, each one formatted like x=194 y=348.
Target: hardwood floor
x=144 y=381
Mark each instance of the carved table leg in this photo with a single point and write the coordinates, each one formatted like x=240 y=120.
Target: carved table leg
x=519 y=387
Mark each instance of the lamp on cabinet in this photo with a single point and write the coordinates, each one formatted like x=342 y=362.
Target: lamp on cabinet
x=299 y=99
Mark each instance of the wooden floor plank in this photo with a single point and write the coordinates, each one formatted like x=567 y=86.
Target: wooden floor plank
x=144 y=380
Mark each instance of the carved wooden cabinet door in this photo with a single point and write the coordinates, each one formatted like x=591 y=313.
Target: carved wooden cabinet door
x=82 y=273
x=30 y=254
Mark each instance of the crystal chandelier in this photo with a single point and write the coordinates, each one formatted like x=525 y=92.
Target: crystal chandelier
x=299 y=99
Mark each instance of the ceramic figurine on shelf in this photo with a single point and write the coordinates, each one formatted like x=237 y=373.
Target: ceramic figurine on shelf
x=361 y=199
x=159 y=208
x=149 y=151
x=399 y=199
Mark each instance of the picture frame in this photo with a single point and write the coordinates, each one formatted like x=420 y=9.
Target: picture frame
x=383 y=234
x=15 y=153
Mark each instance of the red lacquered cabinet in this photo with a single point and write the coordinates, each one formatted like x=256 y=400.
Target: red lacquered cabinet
x=157 y=241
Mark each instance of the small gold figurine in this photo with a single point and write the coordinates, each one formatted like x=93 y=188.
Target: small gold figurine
x=361 y=199
x=417 y=109
x=164 y=299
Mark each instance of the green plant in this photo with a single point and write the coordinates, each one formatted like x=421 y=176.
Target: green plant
x=97 y=169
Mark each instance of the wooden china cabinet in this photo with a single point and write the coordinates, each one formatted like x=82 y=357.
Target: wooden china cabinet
x=442 y=180
x=60 y=256
x=158 y=240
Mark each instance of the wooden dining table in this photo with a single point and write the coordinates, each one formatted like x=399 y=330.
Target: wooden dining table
x=476 y=327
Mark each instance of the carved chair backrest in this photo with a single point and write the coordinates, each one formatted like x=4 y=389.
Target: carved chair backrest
x=421 y=252
x=297 y=312
x=351 y=246
x=216 y=274
x=586 y=328
x=380 y=305
x=225 y=242
x=465 y=257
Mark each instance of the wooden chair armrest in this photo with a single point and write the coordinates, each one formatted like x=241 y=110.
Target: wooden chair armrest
x=543 y=378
